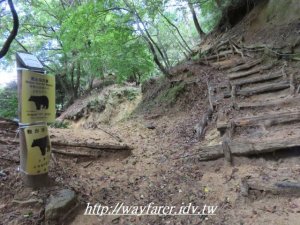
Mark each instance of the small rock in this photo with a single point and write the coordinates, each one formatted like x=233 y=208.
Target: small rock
x=2 y=206
x=150 y=126
x=296 y=202
x=295 y=205
x=2 y=174
x=116 y=220
x=244 y=187
x=218 y=169
x=59 y=204
x=162 y=159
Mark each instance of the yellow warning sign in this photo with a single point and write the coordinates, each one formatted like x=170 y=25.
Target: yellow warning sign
x=38 y=149
x=37 y=97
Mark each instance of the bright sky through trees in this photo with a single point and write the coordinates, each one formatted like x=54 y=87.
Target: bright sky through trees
x=80 y=42
x=7 y=76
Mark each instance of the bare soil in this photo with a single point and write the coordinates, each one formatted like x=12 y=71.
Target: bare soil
x=157 y=170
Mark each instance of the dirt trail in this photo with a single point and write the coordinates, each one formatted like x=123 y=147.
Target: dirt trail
x=155 y=173
x=162 y=168
x=164 y=164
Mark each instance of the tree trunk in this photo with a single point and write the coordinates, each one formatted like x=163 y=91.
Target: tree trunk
x=156 y=60
x=77 y=84
x=14 y=31
x=164 y=51
x=138 y=79
x=147 y=37
x=91 y=81
x=195 y=19
x=67 y=89
x=177 y=30
x=72 y=74
x=151 y=39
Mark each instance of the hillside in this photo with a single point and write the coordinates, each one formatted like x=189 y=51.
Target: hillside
x=222 y=131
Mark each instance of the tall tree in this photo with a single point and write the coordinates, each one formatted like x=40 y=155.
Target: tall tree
x=153 y=46
x=195 y=19
x=185 y=46
x=80 y=41
x=14 y=30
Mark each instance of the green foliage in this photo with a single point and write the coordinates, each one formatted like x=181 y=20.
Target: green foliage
x=84 y=40
x=211 y=13
x=103 y=42
x=107 y=82
x=60 y=124
x=131 y=94
x=9 y=101
x=96 y=105
x=171 y=95
x=119 y=95
x=190 y=74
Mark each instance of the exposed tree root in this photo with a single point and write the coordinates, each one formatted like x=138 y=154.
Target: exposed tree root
x=263 y=89
x=92 y=145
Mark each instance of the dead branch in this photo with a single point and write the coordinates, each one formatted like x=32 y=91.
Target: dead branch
x=8 y=120
x=227 y=150
x=92 y=146
x=249 y=72
x=210 y=96
x=263 y=89
x=8 y=142
x=4 y=142
x=266 y=103
x=218 y=56
x=233 y=95
x=245 y=66
x=227 y=64
x=11 y=160
x=257 y=79
x=226 y=142
x=88 y=164
x=110 y=134
x=246 y=148
x=278 y=118
x=29 y=201
x=76 y=154
x=200 y=128
x=283 y=70
x=292 y=84
x=54 y=159
x=275 y=187
x=238 y=51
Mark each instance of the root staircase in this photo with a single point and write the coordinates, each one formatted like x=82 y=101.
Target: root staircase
x=264 y=113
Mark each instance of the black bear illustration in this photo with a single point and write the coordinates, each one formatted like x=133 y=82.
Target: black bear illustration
x=41 y=102
x=42 y=143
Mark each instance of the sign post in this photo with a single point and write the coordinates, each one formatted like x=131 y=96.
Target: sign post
x=36 y=108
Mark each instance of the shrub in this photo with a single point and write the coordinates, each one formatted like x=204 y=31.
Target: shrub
x=170 y=95
x=131 y=94
x=60 y=124
x=9 y=101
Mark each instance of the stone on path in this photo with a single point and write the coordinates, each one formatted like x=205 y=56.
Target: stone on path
x=60 y=204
